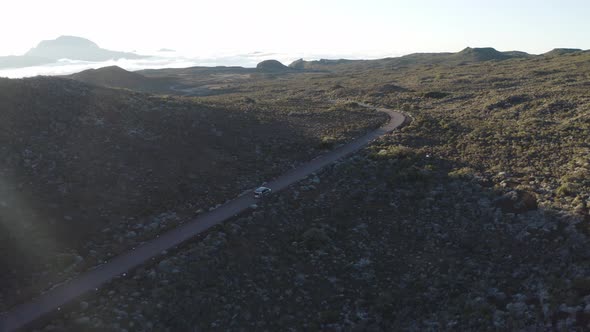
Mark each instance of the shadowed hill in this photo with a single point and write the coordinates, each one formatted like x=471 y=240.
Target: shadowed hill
x=110 y=76
x=87 y=172
x=76 y=159
x=90 y=152
x=118 y=77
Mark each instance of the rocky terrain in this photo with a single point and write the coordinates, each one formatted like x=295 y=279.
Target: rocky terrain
x=88 y=172
x=473 y=217
x=527 y=118
x=390 y=239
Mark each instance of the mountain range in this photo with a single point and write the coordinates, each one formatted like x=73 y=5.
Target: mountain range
x=64 y=47
x=467 y=55
x=185 y=80
x=82 y=49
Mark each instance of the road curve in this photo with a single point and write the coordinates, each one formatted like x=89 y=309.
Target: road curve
x=24 y=314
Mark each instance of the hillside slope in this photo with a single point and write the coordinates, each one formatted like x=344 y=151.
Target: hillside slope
x=88 y=172
x=467 y=55
x=475 y=217
x=117 y=77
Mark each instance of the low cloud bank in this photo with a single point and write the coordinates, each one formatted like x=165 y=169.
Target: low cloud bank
x=160 y=60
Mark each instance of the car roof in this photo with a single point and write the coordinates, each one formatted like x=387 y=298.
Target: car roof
x=262 y=189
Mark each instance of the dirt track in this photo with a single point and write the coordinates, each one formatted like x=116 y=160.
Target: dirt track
x=26 y=313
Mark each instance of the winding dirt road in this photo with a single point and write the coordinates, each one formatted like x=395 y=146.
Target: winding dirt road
x=24 y=314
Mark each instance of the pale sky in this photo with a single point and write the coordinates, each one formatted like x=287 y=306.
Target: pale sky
x=365 y=27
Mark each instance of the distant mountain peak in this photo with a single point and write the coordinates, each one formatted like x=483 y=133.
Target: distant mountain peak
x=71 y=41
x=76 y=48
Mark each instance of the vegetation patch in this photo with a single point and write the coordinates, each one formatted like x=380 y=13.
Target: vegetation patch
x=436 y=94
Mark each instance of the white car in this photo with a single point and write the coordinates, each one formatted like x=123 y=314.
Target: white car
x=261 y=192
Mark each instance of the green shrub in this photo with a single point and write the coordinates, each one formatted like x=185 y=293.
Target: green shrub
x=462 y=173
x=566 y=189
x=394 y=152
x=430 y=168
x=327 y=142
